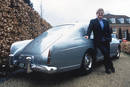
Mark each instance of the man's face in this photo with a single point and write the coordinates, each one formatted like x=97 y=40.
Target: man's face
x=100 y=14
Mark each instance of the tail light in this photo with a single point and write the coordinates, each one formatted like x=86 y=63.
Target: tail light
x=49 y=57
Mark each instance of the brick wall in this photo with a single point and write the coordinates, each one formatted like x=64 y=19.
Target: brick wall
x=123 y=27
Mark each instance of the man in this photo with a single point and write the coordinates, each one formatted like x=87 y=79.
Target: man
x=102 y=38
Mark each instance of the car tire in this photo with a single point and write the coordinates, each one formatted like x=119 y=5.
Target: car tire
x=87 y=63
x=118 y=53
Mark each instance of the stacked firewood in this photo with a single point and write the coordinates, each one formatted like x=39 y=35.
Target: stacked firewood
x=125 y=47
x=18 y=22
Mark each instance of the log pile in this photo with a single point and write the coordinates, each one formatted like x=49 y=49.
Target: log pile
x=18 y=22
x=125 y=47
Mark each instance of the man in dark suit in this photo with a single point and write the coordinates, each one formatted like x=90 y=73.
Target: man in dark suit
x=102 y=38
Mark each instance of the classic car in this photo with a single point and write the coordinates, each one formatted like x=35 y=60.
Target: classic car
x=59 y=49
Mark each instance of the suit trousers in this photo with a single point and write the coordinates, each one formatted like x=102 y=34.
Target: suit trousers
x=105 y=50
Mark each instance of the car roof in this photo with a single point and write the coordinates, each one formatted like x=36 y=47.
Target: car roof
x=68 y=27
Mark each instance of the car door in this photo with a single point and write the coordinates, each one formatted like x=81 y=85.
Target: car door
x=70 y=49
x=113 y=45
x=99 y=54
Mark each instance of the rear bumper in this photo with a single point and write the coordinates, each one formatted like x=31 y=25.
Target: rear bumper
x=44 y=68
x=30 y=67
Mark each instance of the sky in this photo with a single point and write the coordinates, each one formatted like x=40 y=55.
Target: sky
x=58 y=12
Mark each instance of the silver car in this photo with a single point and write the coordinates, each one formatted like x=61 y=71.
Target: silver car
x=61 y=48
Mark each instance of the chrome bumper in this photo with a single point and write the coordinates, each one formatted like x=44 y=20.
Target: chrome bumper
x=29 y=67
x=44 y=68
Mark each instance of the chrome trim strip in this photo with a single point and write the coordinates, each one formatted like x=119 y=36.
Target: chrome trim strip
x=75 y=47
x=70 y=66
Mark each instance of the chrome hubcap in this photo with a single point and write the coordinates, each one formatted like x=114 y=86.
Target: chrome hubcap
x=88 y=62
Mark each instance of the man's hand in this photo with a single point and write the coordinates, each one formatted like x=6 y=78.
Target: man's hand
x=86 y=37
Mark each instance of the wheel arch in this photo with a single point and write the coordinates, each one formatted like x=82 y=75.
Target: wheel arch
x=91 y=51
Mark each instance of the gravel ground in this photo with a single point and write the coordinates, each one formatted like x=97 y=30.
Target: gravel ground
x=121 y=78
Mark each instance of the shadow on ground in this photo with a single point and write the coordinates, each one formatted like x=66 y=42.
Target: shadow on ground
x=37 y=78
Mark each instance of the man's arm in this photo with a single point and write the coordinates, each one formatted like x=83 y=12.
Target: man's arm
x=90 y=28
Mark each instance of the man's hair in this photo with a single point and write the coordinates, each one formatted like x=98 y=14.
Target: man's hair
x=100 y=9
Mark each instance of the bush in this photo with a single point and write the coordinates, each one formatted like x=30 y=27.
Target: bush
x=18 y=22
x=125 y=47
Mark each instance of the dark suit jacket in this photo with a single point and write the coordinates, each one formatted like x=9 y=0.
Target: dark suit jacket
x=98 y=32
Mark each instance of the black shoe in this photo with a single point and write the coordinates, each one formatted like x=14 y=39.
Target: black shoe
x=113 y=70
x=108 y=71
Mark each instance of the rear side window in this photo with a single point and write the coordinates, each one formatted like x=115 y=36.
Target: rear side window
x=77 y=31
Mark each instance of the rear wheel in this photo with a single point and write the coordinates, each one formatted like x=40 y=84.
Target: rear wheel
x=87 y=63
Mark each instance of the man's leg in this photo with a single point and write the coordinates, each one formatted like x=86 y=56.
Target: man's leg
x=105 y=49
x=107 y=45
